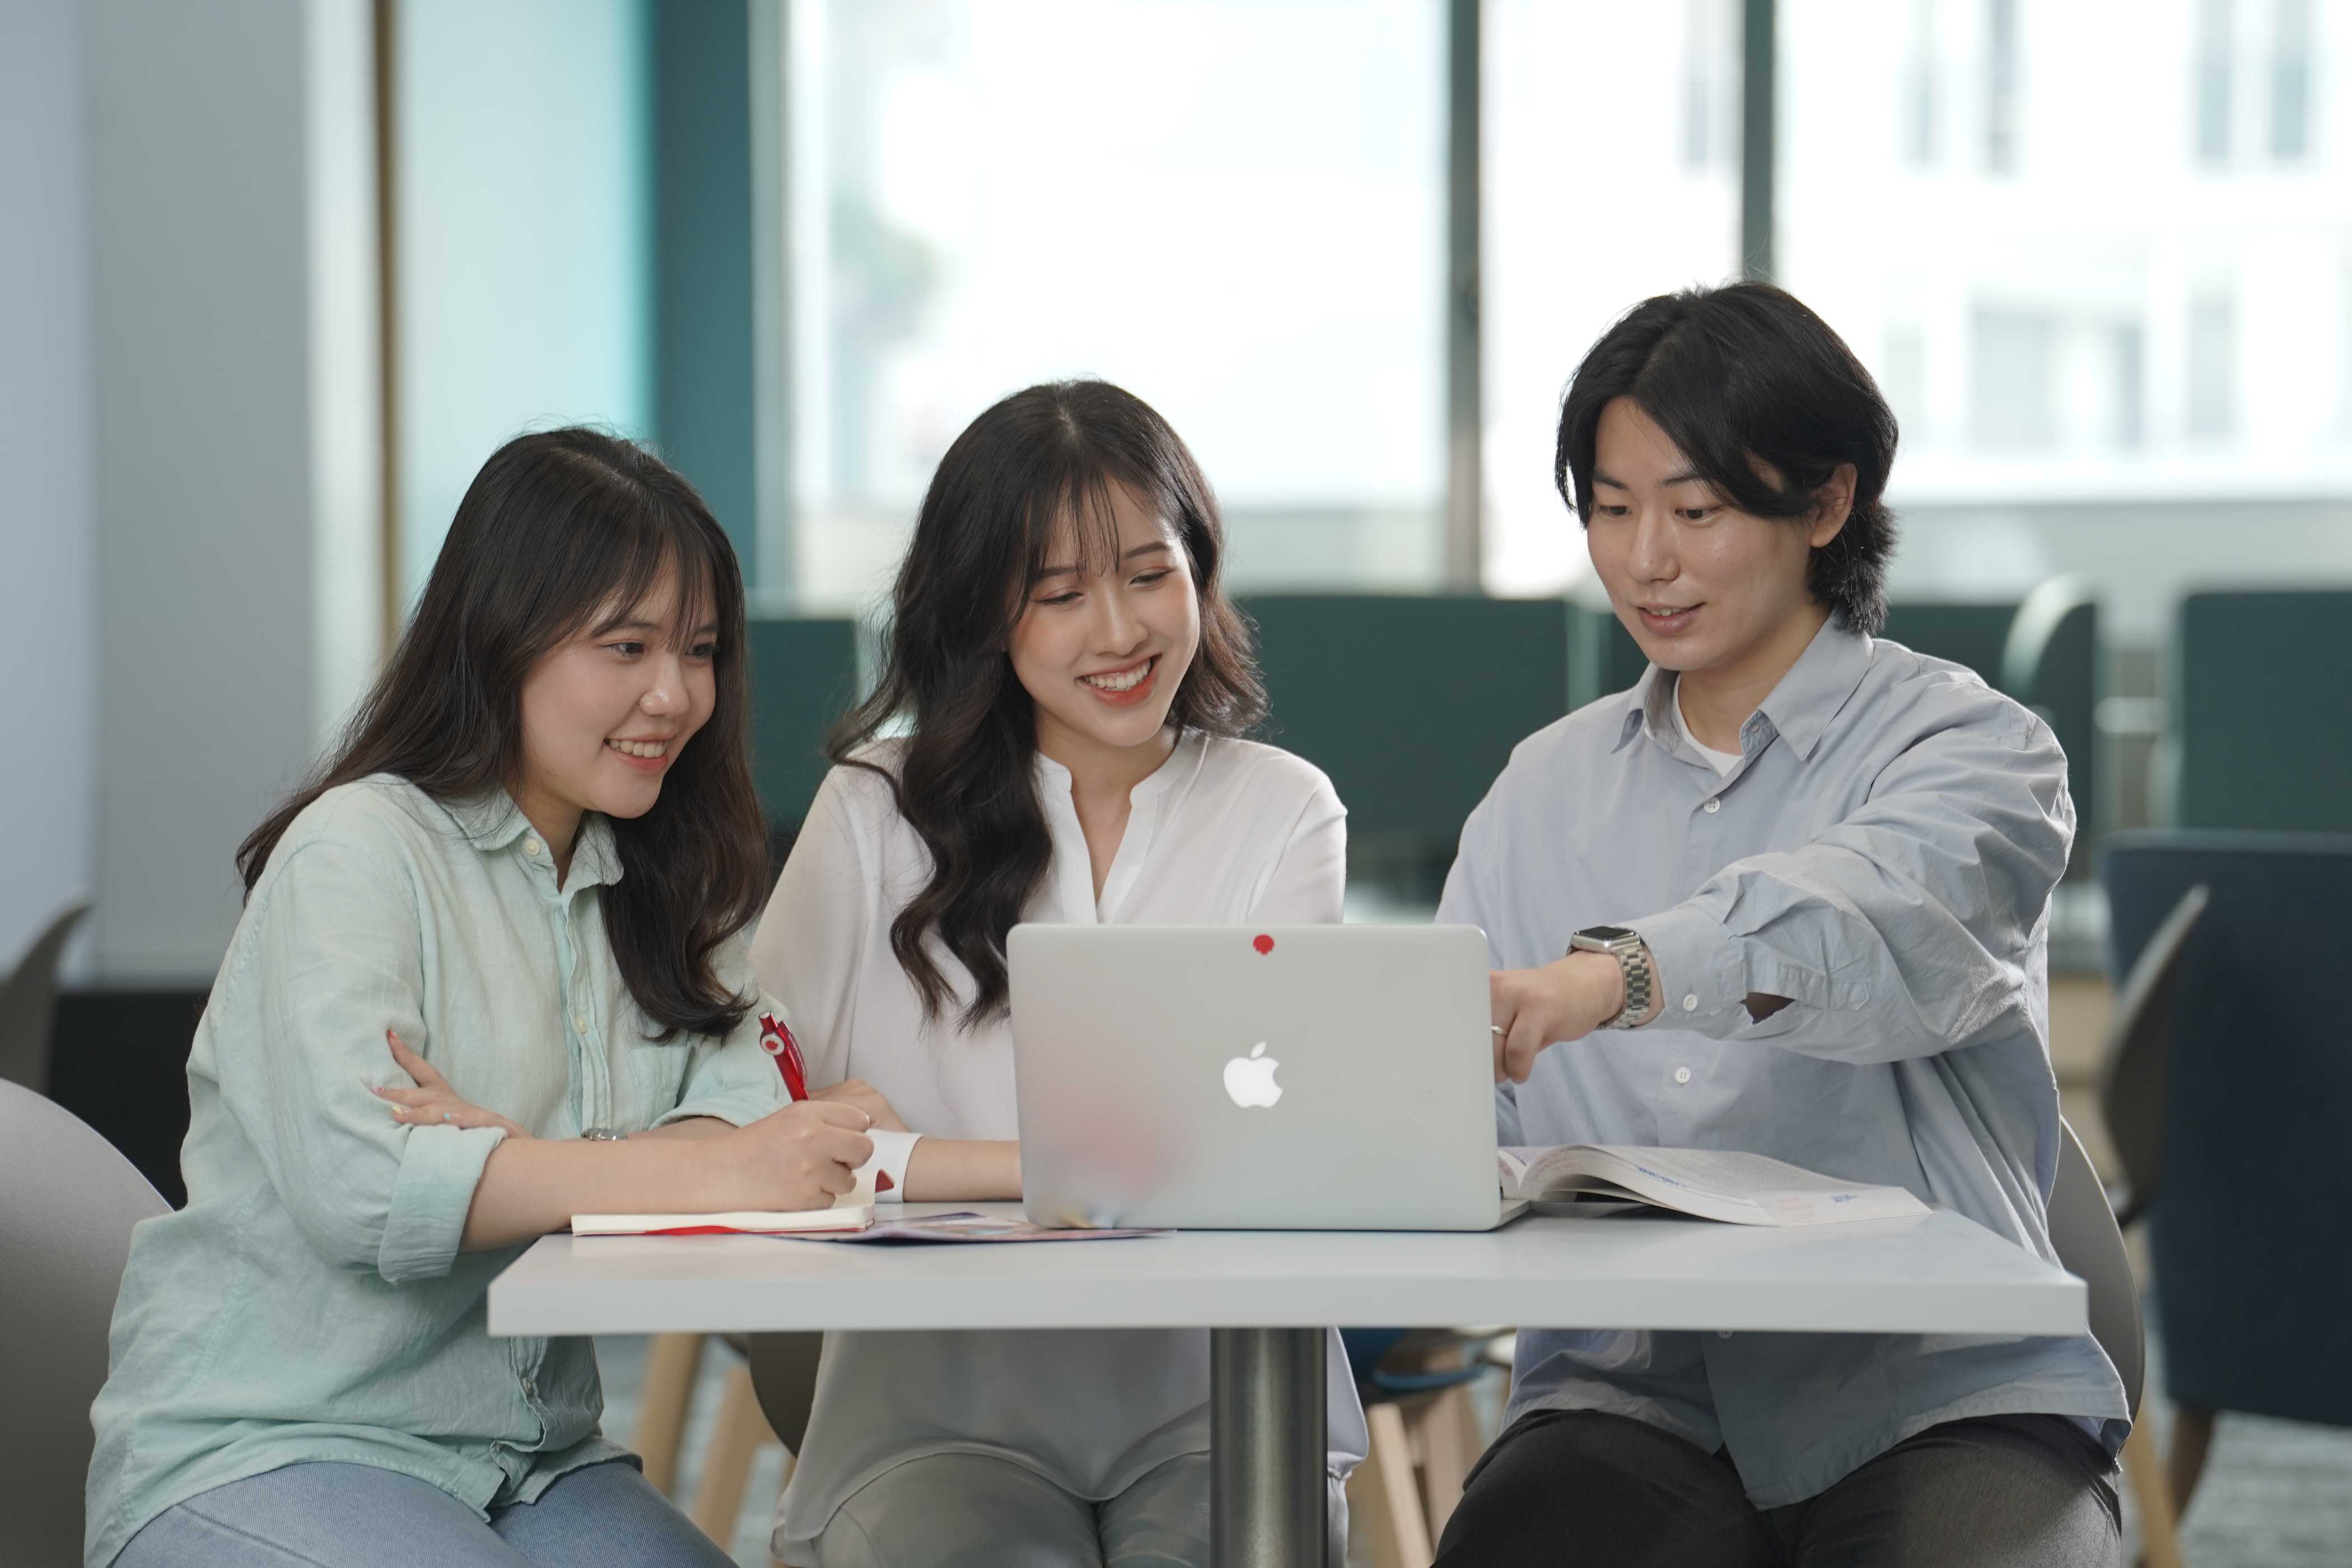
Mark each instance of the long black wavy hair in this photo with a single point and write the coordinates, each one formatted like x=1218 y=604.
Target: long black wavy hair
x=965 y=780
x=559 y=530
x=1742 y=373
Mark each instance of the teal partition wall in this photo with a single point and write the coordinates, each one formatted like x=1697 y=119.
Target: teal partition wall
x=2260 y=728
x=1970 y=632
x=803 y=673
x=701 y=239
x=1603 y=657
x=1412 y=704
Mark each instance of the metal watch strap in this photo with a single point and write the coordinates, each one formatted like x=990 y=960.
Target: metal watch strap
x=1633 y=965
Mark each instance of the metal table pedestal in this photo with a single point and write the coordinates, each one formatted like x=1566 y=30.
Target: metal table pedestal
x=1267 y=1494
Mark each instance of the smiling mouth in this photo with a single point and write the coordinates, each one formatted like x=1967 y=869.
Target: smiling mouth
x=1122 y=679
x=648 y=751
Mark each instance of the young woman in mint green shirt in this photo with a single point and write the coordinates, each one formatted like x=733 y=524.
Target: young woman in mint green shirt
x=525 y=875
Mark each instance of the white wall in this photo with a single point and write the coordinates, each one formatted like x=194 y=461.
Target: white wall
x=224 y=422
x=47 y=570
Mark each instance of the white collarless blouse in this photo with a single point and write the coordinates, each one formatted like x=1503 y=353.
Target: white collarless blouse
x=1227 y=832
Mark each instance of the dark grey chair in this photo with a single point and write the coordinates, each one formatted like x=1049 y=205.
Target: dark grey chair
x=2089 y=1245
x=2252 y=1280
x=2051 y=663
x=65 y=1235
x=2136 y=1063
x=783 y=1372
x=29 y=1004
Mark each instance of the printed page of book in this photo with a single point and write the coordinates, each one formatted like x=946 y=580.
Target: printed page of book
x=1713 y=1183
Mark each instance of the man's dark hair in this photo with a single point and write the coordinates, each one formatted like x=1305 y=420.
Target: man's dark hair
x=1742 y=376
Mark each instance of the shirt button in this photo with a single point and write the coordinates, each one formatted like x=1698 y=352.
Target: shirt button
x=531 y=846
x=530 y=1389
x=1682 y=1075
x=1714 y=805
x=1690 y=1003
x=580 y=1022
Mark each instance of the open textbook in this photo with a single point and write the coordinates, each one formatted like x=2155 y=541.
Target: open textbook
x=1744 y=1189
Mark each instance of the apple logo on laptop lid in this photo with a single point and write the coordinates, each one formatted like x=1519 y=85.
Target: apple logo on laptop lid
x=1249 y=1080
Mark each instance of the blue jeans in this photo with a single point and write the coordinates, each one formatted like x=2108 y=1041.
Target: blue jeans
x=357 y=1516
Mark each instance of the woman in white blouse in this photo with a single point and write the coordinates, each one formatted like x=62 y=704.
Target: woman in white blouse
x=1063 y=688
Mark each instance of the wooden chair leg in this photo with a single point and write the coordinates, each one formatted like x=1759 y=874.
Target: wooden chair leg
x=1384 y=1500
x=734 y=1445
x=2193 y=1438
x=2159 y=1529
x=672 y=1361
x=1446 y=1435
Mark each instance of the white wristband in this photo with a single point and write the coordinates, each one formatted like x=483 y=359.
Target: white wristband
x=891 y=1152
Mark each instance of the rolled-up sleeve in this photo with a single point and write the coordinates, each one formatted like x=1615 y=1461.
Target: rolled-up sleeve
x=1907 y=929
x=333 y=960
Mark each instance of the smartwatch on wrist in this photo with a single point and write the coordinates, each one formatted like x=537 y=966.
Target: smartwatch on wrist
x=1632 y=961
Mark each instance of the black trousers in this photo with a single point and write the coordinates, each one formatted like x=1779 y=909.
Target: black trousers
x=1577 y=1489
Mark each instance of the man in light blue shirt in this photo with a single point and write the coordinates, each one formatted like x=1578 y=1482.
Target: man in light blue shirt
x=1808 y=873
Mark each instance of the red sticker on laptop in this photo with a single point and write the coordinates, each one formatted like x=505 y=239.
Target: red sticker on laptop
x=1262 y=942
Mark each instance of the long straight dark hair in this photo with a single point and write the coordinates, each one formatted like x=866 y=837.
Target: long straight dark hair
x=966 y=781
x=561 y=530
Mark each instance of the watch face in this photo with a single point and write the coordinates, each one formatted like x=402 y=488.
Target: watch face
x=1605 y=934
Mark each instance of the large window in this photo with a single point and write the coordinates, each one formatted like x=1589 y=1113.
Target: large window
x=1234 y=209
x=2093 y=251
x=2098 y=254
x=1612 y=152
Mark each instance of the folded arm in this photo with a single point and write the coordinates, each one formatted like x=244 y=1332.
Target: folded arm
x=1906 y=929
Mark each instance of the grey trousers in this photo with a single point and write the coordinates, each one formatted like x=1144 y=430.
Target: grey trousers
x=970 y=1510
x=1580 y=1488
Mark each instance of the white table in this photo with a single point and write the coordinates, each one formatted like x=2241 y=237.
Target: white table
x=1266 y=1296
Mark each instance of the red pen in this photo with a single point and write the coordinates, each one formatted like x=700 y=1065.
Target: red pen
x=778 y=1042
x=776 y=1039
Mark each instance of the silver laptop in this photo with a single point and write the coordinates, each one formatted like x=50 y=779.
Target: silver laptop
x=1221 y=1078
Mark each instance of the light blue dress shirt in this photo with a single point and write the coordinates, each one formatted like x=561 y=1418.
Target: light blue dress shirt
x=1884 y=855
x=310 y=1302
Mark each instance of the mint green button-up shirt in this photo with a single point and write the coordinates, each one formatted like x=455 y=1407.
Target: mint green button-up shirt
x=310 y=1302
